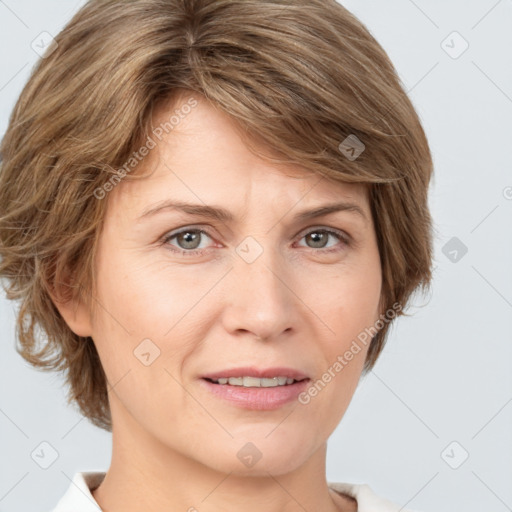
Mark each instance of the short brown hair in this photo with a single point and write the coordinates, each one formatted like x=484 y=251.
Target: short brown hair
x=300 y=76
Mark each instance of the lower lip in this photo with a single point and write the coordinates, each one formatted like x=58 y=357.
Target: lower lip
x=261 y=399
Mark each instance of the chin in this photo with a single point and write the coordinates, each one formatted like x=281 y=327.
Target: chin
x=259 y=456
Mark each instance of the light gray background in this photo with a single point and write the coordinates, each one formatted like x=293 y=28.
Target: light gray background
x=445 y=374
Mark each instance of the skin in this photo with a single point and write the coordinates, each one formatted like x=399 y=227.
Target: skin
x=175 y=445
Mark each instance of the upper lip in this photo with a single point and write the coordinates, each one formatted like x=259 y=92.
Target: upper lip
x=251 y=371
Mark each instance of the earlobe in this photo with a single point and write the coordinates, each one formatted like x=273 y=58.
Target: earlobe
x=75 y=313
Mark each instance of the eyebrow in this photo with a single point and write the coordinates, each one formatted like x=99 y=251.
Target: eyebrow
x=225 y=216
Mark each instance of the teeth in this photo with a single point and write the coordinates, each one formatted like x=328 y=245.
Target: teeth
x=254 y=382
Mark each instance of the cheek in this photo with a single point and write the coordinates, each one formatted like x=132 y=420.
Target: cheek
x=146 y=298
x=347 y=300
x=350 y=308
x=149 y=308
x=343 y=354
x=139 y=305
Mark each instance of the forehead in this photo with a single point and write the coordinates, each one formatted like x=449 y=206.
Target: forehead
x=199 y=155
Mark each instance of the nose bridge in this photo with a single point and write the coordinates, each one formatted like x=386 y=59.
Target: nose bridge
x=261 y=300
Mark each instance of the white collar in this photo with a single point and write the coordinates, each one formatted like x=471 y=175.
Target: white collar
x=78 y=497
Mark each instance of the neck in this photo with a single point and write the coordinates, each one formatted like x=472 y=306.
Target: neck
x=146 y=474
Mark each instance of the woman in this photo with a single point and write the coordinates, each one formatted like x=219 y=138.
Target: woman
x=214 y=210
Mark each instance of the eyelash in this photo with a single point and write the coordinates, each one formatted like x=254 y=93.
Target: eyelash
x=344 y=238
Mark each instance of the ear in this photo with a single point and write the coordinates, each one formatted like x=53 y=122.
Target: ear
x=74 y=311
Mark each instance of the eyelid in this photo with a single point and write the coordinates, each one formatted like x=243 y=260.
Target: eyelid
x=342 y=234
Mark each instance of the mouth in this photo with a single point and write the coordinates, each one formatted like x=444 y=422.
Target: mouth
x=256 y=389
x=255 y=382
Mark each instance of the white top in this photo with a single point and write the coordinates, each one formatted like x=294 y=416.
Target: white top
x=78 y=497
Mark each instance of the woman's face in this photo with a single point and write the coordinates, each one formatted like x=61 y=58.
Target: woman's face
x=184 y=293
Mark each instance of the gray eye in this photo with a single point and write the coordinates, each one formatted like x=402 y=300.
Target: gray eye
x=319 y=238
x=188 y=239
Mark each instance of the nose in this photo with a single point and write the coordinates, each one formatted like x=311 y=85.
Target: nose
x=260 y=300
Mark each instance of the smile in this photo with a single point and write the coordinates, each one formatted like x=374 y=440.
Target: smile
x=254 y=382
